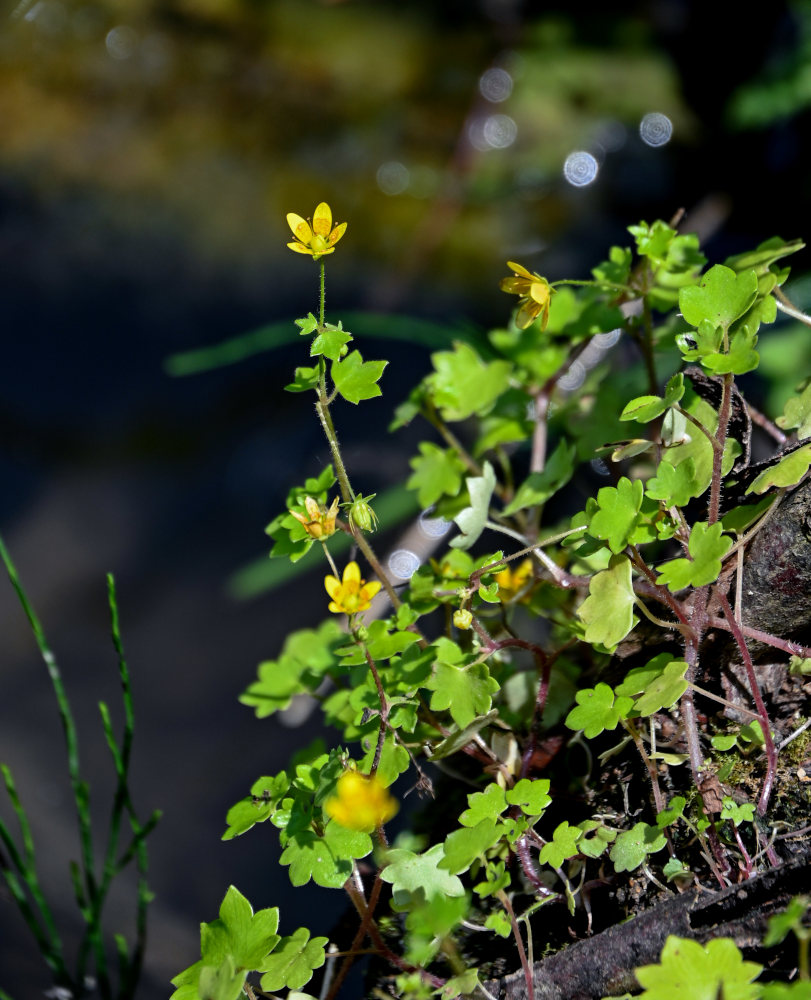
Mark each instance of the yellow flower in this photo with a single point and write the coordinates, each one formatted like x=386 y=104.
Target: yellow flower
x=535 y=295
x=317 y=239
x=361 y=802
x=318 y=522
x=511 y=582
x=351 y=594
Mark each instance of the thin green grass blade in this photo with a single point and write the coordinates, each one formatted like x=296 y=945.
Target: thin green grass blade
x=28 y=872
x=363 y=324
x=79 y=788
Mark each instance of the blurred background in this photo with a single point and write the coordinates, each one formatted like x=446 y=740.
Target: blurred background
x=149 y=151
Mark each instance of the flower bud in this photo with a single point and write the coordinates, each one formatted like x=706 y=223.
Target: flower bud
x=361 y=514
x=462 y=619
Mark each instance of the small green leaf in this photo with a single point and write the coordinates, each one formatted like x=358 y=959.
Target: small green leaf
x=674 y=486
x=665 y=690
x=463 y=384
x=331 y=342
x=327 y=860
x=787 y=922
x=674 y=812
x=797 y=412
x=304 y=379
x=632 y=847
x=597 y=710
x=464 y=846
x=675 y=869
x=595 y=839
x=737 y=814
x=608 y=610
x=409 y=874
x=643 y=409
x=437 y=472
x=489 y=804
x=787 y=472
x=531 y=795
x=461 y=985
x=499 y=922
x=465 y=691
x=563 y=845
x=307 y=326
x=294 y=962
x=472 y=519
x=700 y=972
x=720 y=297
x=356 y=379
x=618 y=512
x=707 y=546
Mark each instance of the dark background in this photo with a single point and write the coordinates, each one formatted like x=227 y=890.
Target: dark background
x=149 y=154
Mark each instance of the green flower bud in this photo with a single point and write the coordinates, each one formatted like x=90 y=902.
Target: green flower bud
x=361 y=514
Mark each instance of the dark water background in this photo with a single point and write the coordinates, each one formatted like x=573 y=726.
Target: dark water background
x=149 y=159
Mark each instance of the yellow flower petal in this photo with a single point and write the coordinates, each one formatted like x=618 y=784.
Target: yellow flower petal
x=300 y=248
x=361 y=802
x=332 y=586
x=528 y=312
x=300 y=227
x=521 y=270
x=352 y=574
x=337 y=233
x=322 y=219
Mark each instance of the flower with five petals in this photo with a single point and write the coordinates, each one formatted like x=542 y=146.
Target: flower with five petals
x=350 y=595
x=515 y=583
x=361 y=802
x=317 y=238
x=535 y=295
x=317 y=522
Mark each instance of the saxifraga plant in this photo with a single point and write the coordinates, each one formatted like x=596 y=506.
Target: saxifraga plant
x=483 y=662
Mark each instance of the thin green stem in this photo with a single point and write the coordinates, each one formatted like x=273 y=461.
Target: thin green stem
x=322 y=297
x=627 y=289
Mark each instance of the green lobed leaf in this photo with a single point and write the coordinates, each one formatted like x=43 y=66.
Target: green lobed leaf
x=720 y=297
x=409 y=874
x=632 y=847
x=707 y=547
x=562 y=845
x=664 y=690
x=676 y=485
x=701 y=972
x=737 y=813
x=597 y=710
x=608 y=610
x=327 y=859
x=797 y=412
x=531 y=795
x=464 y=846
x=489 y=804
x=437 y=472
x=331 y=342
x=463 y=384
x=356 y=379
x=787 y=922
x=304 y=379
x=595 y=838
x=294 y=961
x=618 y=513
x=466 y=691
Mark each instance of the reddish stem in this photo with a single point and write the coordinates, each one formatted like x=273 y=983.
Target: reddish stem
x=771 y=753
